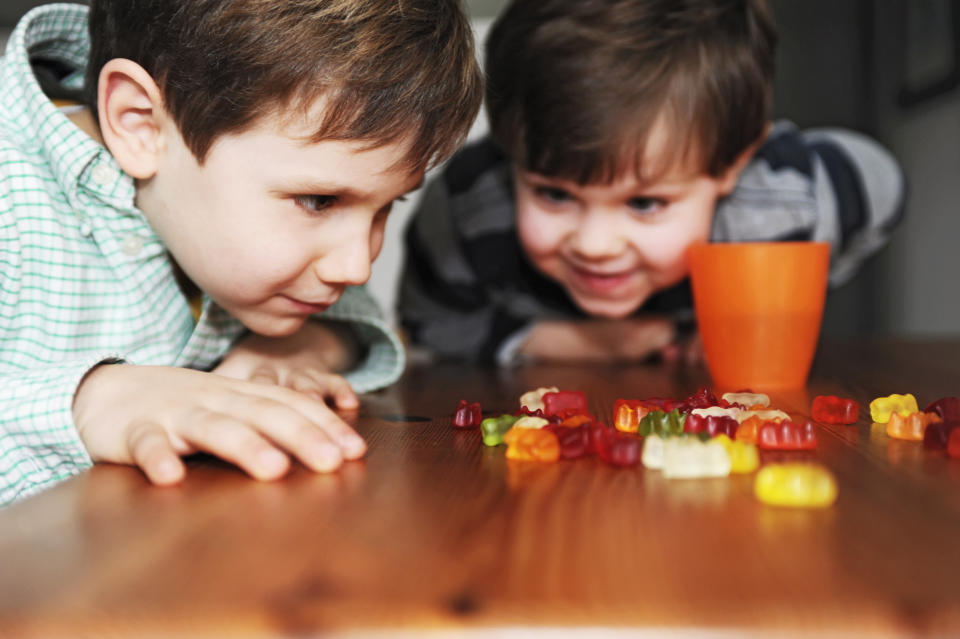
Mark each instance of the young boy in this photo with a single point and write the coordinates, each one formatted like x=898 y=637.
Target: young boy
x=243 y=153
x=623 y=131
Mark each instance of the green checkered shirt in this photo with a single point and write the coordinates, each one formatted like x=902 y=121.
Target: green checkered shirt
x=83 y=277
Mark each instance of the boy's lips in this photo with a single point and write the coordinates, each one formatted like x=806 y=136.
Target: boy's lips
x=600 y=281
x=305 y=306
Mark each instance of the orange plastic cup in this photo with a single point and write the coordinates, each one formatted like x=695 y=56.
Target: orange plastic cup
x=759 y=306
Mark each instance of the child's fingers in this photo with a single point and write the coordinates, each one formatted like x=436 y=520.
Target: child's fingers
x=324 y=385
x=694 y=354
x=312 y=445
x=671 y=353
x=319 y=415
x=236 y=441
x=656 y=334
x=265 y=375
x=342 y=393
x=151 y=450
x=317 y=440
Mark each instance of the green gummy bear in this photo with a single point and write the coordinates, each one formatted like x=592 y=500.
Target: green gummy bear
x=494 y=428
x=658 y=422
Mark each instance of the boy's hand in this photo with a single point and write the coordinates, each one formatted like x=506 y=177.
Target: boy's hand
x=302 y=362
x=150 y=416
x=688 y=351
x=631 y=339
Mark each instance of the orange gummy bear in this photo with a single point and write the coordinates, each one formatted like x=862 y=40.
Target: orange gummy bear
x=911 y=426
x=531 y=444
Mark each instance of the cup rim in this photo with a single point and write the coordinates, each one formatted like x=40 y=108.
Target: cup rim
x=762 y=243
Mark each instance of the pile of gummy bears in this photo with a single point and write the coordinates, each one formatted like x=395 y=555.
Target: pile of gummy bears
x=702 y=436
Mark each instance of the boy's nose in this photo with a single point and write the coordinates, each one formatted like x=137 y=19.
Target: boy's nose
x=598 y=236
x=348 y=264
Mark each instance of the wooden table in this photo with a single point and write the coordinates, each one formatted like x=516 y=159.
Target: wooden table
x=435 y=532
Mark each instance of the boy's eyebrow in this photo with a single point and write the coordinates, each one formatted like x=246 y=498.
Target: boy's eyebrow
x=312 y=186
x=676 y=183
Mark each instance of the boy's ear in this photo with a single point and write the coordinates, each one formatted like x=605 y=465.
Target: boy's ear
x=729 y=179
x=132 y=116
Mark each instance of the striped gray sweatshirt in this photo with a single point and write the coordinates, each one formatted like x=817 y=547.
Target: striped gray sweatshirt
x=467 y=287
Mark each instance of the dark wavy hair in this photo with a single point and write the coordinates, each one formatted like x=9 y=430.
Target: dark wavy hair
x=385 y=69
x=574 y=87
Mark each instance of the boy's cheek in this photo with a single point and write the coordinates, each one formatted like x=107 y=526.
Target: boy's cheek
x=538 y=234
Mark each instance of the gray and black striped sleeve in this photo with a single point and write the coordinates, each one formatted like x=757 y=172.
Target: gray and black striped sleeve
x=829 y=185
x=449 y=301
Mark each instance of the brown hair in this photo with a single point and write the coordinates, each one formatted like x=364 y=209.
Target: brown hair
x=575 y=86
x=384 y=68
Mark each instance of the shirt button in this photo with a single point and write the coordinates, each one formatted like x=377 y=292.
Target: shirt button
x=132 y=245
x=102 y=174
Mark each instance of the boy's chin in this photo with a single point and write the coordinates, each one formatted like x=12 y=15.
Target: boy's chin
x=609 y=309
x=268 y=326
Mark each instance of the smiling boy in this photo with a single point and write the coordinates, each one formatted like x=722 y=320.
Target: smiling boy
x=621 y=132
x=237 y=157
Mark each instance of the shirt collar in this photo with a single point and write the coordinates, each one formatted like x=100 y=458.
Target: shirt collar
x=78 y=163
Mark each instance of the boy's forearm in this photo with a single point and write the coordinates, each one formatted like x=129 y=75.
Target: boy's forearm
x=40 y=446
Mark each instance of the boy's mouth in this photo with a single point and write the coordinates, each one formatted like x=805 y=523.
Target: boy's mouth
x=304 y=306
x=600 y=282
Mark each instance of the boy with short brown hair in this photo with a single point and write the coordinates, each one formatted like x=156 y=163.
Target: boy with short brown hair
x=621 y=132
x=240 y=154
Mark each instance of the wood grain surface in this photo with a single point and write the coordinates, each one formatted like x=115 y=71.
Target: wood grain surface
x=435 y=533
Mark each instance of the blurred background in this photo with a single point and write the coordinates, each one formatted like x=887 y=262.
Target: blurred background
x=887 y=68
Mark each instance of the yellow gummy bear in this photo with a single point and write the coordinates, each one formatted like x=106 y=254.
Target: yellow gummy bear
x=744 y=457
x=795 y=484
x=881 y=407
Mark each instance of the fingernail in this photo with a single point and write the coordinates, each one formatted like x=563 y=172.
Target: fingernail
x=353 y=446
x=271 y=462
x=168 y=470
x=326 y=457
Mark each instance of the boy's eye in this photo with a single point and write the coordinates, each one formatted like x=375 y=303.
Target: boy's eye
x=315 y=203
x=645 y=204
x=552 y=194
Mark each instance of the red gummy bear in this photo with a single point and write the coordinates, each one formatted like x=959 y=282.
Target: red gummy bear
x=564 y=403
x=467 y=415
x=787 y=436
x=713 y=425
x=829 y=409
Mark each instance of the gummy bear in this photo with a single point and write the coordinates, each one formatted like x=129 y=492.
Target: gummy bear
x=627 y=414
x=573 y=441
x=936 y=436
x=532 y=401
x=830 y=409
x=703 y=398
x=787 y=435
x=564 y=403
x=744 y=457
x=881 y=407
x=467 y=415
x=713 y=425
x=494 y=428
x=689 y=458
x=652 y=456
x=953 y=443
x=795 y=484
x=529 y=444
x=620 y=449
x=662 y=423
x=910 y=426
x=948 y=408
x=746 y=399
